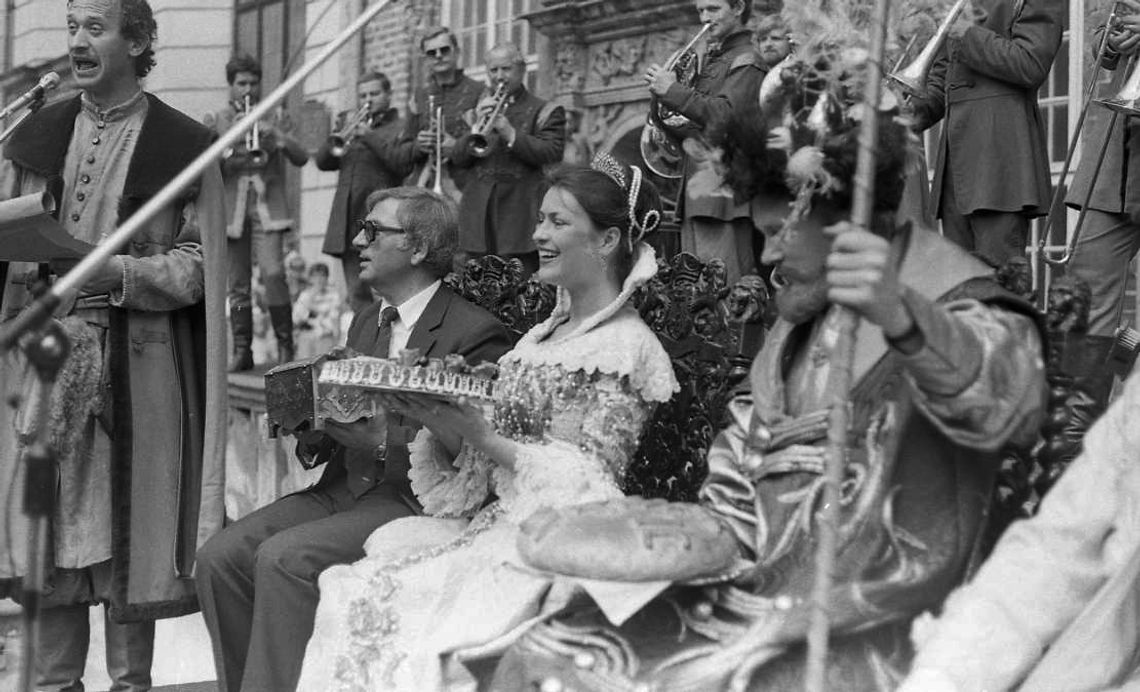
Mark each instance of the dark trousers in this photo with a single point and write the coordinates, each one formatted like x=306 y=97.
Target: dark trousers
x=65 y=635
x=257 y=579
x=1105 y=248
x=266 y=249
x=995 y=237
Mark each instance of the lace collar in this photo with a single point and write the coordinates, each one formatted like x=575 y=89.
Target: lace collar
x=644 y=268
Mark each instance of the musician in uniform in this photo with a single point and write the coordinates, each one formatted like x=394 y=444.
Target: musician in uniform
x=992 y=168
x=519 y=137
x=718 y=105
x=455 y=94
x=257 y=222
x=1110 y=234
x=363 y=156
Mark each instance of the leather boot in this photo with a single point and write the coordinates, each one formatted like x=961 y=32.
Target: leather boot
x=281 y=316
x=241 y=323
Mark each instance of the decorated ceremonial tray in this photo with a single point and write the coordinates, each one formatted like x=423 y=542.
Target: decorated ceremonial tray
x=304 y=394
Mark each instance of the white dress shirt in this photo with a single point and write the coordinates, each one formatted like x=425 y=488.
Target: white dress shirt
x=410 y=311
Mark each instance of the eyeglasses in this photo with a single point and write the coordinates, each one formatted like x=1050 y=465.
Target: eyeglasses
x=441 y=52
x=371 y=229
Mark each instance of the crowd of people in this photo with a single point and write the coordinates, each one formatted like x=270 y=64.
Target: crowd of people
x=444 y=531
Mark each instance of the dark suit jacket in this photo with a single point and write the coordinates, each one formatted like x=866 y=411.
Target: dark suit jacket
x=367 y=165
x=449 y=324
x=993 y=137
x=504 y=189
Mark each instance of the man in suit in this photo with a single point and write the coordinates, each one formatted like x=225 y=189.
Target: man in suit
x=986 y=95
x=500 y=200
x=258 y=578
x=365 y=165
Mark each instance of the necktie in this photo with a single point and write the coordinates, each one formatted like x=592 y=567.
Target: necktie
x=384 y=332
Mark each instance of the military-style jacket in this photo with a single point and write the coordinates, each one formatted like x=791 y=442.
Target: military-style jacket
x=366 y=165
x=500 y=202
x=984 y=89
x=457 y=100
x=722 y=109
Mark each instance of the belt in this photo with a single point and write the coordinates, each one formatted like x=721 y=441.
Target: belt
x=97 y=302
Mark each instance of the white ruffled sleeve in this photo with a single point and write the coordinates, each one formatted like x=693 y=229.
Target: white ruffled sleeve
x=446 y=487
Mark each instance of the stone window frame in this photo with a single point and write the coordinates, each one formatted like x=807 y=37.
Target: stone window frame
x=480 y=24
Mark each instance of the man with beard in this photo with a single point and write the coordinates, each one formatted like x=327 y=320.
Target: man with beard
x=947 y=369
x=717 y=108
x=137 y=415
x=365 y=164
x=773 y=42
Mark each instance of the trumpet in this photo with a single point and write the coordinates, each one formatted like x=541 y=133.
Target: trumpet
x=434 y=167
x=257 y=155
x=340 y=139
x=912 y=78
x=661 y=153
x=481 y=130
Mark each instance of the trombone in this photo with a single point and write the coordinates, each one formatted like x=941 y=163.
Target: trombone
x=1124 y=102
x=340 y=139
x=912 y=78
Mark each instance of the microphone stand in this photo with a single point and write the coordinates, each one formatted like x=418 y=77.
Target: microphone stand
x=48 y=349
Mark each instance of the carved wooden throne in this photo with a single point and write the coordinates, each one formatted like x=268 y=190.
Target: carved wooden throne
x=710 y=331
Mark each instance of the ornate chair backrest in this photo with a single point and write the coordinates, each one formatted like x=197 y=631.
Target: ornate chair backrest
x=1079 y=368
x=710 y=331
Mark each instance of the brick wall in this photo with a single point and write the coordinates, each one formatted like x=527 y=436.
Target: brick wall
x=391 y=44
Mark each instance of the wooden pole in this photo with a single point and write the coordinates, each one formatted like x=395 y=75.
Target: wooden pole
x=815 y=679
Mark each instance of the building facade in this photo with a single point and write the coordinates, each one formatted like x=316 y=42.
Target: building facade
x=588 y=55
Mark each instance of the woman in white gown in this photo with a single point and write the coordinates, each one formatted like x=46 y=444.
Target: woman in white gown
x=571 y=401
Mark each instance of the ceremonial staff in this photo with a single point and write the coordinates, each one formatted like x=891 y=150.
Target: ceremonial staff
x=861 y=216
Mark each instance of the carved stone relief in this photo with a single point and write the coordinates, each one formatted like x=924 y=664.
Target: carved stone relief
x=569 y=66
x=602 y=122
x=626 y=58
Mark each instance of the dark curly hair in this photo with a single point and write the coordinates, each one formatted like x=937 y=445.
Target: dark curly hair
x=137 y=24
x=242 y=63
x=606 y=202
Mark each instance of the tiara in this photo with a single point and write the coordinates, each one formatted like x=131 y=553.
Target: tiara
x=604 y=162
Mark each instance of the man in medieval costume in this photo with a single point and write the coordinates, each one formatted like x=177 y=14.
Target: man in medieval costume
x=947 y=371
x=138 y=411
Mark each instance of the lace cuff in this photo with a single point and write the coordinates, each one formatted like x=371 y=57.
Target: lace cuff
x=447 y=489
x=554 y=474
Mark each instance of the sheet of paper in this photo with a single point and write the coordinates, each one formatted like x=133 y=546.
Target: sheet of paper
x=28 y=233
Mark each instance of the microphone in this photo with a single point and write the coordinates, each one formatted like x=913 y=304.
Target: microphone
x=48 y=82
